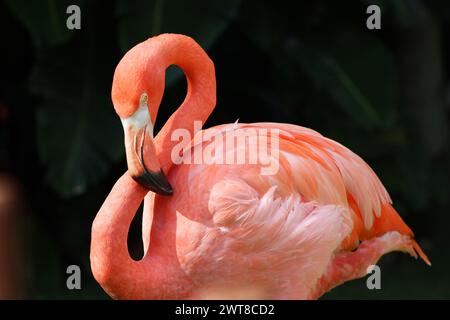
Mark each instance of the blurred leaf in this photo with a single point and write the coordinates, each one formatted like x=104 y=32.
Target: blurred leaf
x=270 y=24
x=358 y=72
x=203 y=20
x=45 y=20
x=413 y=177
x=79 y=135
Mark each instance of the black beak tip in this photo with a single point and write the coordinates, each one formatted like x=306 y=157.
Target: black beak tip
x=155 y=181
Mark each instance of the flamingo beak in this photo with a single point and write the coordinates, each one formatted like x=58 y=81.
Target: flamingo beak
x=142 y=162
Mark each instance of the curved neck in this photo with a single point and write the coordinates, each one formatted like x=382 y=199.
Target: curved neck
x=118 y=274
x=201 y=88
x=111 y=263
x=112 y=266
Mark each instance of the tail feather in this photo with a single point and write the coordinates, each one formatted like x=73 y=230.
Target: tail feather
x=421 y=254
x=389 y=220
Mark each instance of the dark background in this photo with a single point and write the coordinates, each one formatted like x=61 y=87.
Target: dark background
x=385 y=94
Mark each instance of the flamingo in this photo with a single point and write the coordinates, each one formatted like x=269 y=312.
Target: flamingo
x=322 y=219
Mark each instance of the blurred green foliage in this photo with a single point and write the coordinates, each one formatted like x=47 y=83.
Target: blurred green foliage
x=383 y=93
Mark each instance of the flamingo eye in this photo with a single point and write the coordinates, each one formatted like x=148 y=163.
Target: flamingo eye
x=143 y=100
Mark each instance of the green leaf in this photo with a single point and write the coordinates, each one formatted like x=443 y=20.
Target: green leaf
x=45 y=20
x=79 y=135
x=203 y=20
x=358 y=72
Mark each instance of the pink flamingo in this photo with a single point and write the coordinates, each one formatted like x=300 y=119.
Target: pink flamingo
x=319 y=221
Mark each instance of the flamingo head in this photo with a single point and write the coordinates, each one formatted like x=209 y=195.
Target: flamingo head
x=137 y=91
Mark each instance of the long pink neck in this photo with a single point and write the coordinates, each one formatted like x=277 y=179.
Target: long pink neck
x=119 y=275
x=201 y=89
x=111 y=263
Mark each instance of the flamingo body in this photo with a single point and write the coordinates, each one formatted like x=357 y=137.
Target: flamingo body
x=320 y=220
